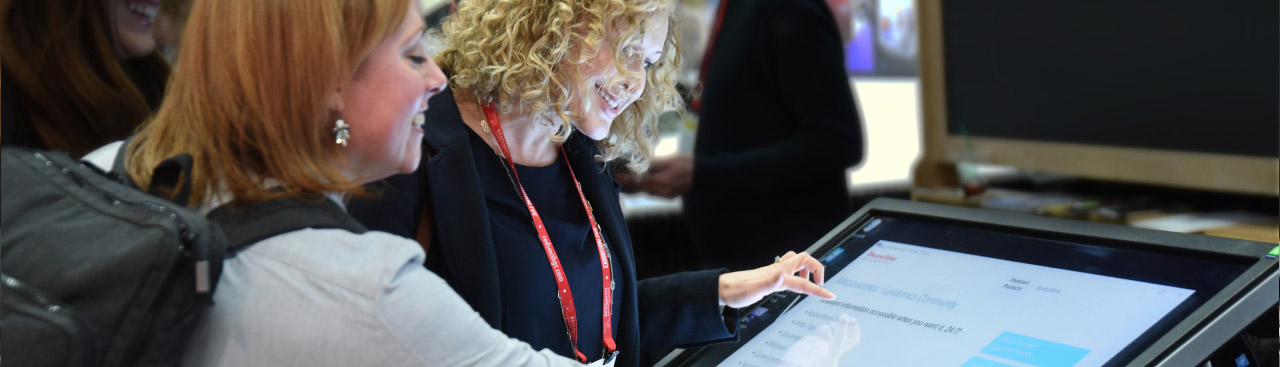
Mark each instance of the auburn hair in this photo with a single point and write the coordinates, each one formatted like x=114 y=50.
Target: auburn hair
x=249 y=95
x=60 y=55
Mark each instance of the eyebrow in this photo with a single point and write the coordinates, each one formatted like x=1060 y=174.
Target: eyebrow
x=417 y=33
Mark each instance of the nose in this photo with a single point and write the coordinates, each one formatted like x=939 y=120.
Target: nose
x=634 y=84
x=436 y=82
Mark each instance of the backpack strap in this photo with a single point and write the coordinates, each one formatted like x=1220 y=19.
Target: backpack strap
x=117 y=166
x=246 y=224
x=173 y=173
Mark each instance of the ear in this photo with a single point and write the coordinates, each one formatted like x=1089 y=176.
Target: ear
x=335 y=102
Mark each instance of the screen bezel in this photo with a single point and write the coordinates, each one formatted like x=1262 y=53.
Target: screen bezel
x=1104 y=235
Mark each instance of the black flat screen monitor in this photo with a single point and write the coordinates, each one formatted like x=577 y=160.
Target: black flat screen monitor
x=1180 y=93
x=931 y=285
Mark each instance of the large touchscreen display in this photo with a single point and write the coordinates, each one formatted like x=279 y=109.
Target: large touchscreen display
x=900 y=304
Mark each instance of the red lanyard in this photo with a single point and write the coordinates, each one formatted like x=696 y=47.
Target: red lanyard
x=706 y=56
x=562 y=284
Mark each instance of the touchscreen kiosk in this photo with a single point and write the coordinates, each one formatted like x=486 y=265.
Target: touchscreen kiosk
x=931 y=285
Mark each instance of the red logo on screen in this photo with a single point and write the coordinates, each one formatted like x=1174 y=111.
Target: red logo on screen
x=874 y=255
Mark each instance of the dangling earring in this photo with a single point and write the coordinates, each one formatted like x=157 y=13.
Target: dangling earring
x=341 y=132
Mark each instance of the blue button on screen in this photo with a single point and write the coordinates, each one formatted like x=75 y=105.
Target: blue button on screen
x=1039 y=352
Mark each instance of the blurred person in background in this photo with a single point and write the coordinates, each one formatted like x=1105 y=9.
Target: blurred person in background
x=777 y=128
x=77 y=74
x=542 y=94
x=168 y=28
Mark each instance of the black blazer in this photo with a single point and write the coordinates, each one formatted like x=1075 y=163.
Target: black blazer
x=679 y=309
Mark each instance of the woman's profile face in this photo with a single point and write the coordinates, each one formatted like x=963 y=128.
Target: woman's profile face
x=380 y=103
x=132 y=20
x=599 y=101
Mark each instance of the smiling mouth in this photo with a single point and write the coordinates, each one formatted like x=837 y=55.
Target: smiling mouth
x=608 y=99
x=419 y=120
x=145 y=10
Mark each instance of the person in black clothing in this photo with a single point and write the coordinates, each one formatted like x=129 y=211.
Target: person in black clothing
x=77 y=74
x=778 y=127
x=541 y=95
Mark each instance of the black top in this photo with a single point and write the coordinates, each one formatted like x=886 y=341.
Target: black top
x=777 y=129
x=679 y=309
x=521 y=258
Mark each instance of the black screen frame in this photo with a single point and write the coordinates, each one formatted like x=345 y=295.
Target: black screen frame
x=1250 y=257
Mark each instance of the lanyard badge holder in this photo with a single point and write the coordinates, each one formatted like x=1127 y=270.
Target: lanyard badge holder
x=563 y=293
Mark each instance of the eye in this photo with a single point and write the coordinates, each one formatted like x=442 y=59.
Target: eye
x=417 y=52
x=648 y=64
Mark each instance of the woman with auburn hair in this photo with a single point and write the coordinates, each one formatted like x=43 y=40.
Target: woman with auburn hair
x=310 y=100
x=515 y=205
x=77 y=74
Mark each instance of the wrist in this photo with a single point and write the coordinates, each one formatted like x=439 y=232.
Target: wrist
x=723 y=289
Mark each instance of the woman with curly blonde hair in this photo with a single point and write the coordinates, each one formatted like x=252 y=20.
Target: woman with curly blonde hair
x=515 y=204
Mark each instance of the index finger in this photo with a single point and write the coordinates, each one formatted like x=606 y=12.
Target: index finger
x=819 y=271
x=814 y=266
x=800 y=285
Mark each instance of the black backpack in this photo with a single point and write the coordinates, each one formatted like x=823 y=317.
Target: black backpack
x=98 y=273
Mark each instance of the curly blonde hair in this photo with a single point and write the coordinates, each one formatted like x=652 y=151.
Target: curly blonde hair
x=511 y=52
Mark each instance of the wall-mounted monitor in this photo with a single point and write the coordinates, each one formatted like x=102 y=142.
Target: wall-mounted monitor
x=1177 y=93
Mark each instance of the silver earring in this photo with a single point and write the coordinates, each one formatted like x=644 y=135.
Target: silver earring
x=341 y=132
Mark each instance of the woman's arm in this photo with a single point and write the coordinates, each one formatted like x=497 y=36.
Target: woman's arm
x=683 y=310
x=687 y=308
x=432 y=322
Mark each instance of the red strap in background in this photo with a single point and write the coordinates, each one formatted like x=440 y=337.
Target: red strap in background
x=706 y=56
